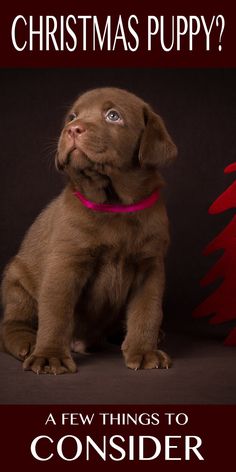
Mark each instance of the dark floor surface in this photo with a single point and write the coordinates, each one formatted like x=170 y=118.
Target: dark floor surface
x=203 y=372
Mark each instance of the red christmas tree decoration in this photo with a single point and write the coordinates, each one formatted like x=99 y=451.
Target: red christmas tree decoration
x=222 y=302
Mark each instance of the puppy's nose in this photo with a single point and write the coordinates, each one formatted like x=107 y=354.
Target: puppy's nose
x=75 y=130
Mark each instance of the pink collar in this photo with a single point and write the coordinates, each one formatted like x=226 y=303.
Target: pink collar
x=106 y=207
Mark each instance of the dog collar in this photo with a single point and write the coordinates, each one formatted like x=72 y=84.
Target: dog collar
x=108 y=208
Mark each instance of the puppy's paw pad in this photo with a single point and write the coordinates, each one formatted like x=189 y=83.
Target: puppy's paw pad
x=156 y=360
x=79 y=346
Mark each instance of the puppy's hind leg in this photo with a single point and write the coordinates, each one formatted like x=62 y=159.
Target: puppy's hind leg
x=17 y=330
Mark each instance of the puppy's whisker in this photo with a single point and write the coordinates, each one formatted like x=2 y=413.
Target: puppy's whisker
x=49 y=152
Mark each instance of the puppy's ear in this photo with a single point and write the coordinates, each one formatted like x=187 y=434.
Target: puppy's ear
x=156 y=146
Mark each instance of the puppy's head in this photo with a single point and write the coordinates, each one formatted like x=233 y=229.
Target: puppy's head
x=111 y=128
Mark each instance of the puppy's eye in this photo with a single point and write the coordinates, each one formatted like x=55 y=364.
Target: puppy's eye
x=72 y=116
x=113 y=116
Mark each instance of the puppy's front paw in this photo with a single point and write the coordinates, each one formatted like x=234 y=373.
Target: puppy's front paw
x=50 y=364
x=156 y=359
x=149 y=360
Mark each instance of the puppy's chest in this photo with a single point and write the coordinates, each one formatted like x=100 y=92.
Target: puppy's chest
x=114 y=274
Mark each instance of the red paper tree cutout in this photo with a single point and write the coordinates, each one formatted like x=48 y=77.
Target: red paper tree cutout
x=222 y=302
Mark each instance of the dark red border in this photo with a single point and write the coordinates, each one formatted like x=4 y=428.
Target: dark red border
x=215 y=424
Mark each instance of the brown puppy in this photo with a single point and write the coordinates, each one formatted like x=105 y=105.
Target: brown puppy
x=79 y=270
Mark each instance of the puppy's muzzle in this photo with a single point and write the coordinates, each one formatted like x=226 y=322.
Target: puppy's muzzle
x=75 y=130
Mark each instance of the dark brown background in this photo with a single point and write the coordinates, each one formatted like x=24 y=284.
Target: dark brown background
x=199 y=107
